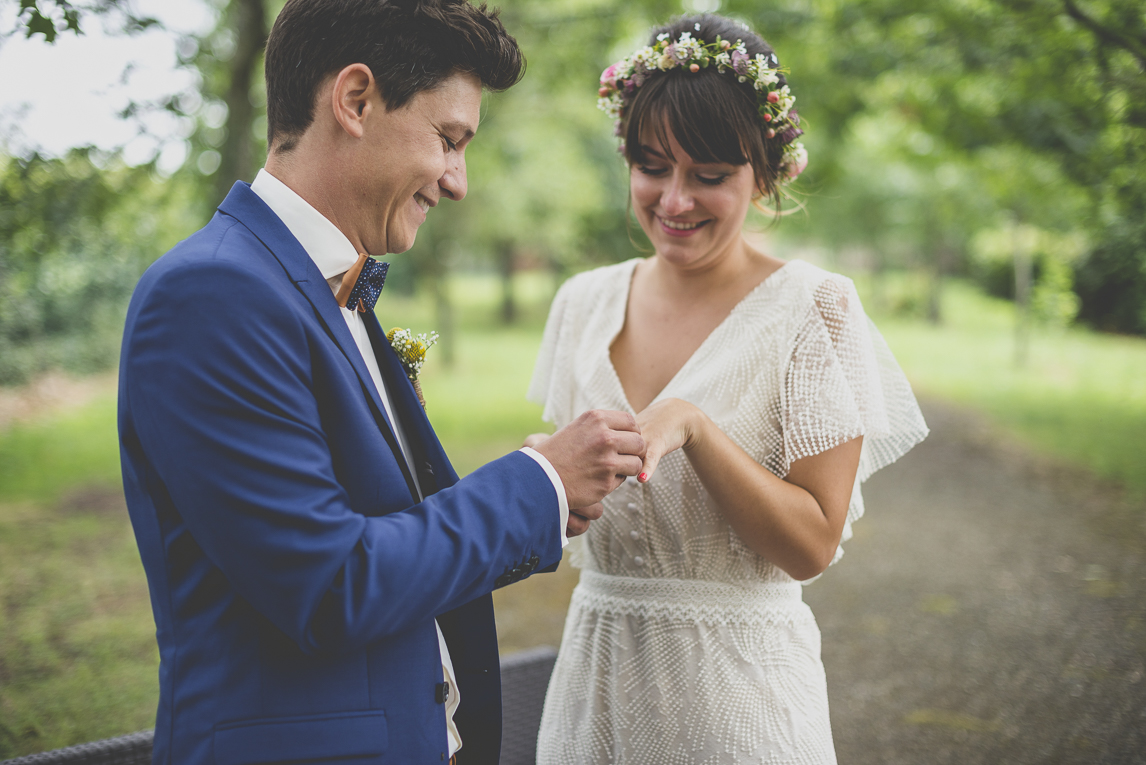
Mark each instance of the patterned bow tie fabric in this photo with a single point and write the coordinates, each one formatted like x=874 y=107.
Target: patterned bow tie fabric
x=363 y=284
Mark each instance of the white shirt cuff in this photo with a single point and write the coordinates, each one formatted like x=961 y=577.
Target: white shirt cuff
x=562 y=500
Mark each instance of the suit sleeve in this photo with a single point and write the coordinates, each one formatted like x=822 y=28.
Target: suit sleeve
x=221 y=396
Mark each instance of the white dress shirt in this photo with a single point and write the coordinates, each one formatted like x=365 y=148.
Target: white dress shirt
x=333 y=254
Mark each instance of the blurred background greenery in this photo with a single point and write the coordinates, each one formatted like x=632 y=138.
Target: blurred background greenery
x=976 y=165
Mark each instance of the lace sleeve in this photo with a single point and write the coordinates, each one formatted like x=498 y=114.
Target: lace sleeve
x=843 y=382
x=551 y=386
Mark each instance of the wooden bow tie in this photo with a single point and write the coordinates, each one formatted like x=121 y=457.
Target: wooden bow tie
x=362 y=284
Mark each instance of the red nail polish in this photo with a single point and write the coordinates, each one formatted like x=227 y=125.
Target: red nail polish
x=643 y=477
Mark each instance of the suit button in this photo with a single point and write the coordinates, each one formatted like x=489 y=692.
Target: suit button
x=632 y=506
x=634 y=535
x=639 y=560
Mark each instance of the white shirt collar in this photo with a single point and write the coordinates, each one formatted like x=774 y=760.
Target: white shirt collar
x=328 y=247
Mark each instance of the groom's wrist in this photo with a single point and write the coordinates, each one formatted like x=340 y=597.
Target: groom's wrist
x=558 y=487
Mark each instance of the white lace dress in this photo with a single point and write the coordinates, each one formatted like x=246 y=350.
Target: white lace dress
x=682 y=645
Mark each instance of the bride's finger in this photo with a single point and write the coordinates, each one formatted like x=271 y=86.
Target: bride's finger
x=649 y=466
x=533 y=439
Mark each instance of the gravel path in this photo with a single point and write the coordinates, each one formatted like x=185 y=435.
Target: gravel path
x=990 y=609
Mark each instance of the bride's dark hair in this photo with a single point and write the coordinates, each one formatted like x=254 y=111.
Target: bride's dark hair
x=711 y=115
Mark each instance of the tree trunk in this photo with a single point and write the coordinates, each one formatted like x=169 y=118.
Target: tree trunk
x=944 y=264
x=249 y=19
x=506 y=266
x=1022 y=256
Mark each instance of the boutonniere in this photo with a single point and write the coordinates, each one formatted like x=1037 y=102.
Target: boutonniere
x=411 y=350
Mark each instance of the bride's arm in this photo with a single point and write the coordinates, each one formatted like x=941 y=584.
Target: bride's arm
x=794 y=522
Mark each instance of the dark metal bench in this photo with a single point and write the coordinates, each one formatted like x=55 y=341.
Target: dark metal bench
x=524 y=678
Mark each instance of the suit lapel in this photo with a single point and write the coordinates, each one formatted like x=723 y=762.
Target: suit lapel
x=246 y=206
x=428 y=451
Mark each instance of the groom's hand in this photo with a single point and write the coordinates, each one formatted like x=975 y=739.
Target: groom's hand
x=593 y=455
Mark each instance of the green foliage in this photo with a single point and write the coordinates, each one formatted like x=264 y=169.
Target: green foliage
x=75 y=234
x=43 y=21
x=1052 y=255
x=1111 y=279
x=1002 y=83
x=51 y=17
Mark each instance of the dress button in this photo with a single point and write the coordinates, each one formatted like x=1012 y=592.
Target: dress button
x=634 y=535
x=639 y=560
x=632 y=506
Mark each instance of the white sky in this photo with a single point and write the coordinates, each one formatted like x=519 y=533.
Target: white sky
x=54 y=97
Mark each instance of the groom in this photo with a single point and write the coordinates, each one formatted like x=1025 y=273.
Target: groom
x=319 y=575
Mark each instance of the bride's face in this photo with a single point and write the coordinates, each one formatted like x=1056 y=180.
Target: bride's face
x=693 y=213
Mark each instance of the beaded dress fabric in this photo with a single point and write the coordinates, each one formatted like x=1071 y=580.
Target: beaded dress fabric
x=681 y=644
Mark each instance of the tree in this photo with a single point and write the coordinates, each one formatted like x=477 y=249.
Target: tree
x=1049 y=77
x=229 y=61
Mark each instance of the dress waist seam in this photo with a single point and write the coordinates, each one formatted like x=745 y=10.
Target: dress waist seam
x=690 y=599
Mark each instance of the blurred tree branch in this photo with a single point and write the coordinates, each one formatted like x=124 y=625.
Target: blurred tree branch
x=1137 y=47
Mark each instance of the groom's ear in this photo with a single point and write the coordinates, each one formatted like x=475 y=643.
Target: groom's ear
x=353 y=97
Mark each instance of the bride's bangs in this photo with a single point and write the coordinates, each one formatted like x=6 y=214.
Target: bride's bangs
x=699 y=110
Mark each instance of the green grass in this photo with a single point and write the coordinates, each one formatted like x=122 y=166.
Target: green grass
x=43 y=459
x=1080 y=396
x=77 y=651
x=77 y=645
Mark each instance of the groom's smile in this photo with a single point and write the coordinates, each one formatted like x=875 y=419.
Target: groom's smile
x=414 y=156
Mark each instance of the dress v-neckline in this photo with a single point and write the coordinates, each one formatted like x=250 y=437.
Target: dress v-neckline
x=619 y=323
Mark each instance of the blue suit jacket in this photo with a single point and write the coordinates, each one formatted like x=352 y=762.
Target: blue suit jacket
x=294 y=578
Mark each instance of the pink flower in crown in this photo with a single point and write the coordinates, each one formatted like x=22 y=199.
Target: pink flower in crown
x=797 y=162
x=609 y=76
x=740 y=63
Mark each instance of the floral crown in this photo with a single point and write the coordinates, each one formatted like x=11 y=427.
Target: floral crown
x=774 y=102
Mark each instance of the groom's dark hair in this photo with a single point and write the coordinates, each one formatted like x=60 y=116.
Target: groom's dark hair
x=409 y=45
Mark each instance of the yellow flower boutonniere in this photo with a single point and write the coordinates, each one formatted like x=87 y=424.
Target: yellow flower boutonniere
x=411 y=350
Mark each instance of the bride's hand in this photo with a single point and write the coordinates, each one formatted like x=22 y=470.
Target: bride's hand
x=533 y=439
x=666 y=426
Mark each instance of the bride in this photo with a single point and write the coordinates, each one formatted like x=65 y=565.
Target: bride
x=766 y=398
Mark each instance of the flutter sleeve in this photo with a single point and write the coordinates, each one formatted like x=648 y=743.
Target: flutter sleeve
x=552 y=384
x=842 y=382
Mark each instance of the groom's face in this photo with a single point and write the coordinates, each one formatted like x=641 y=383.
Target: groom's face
x=413 y=157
